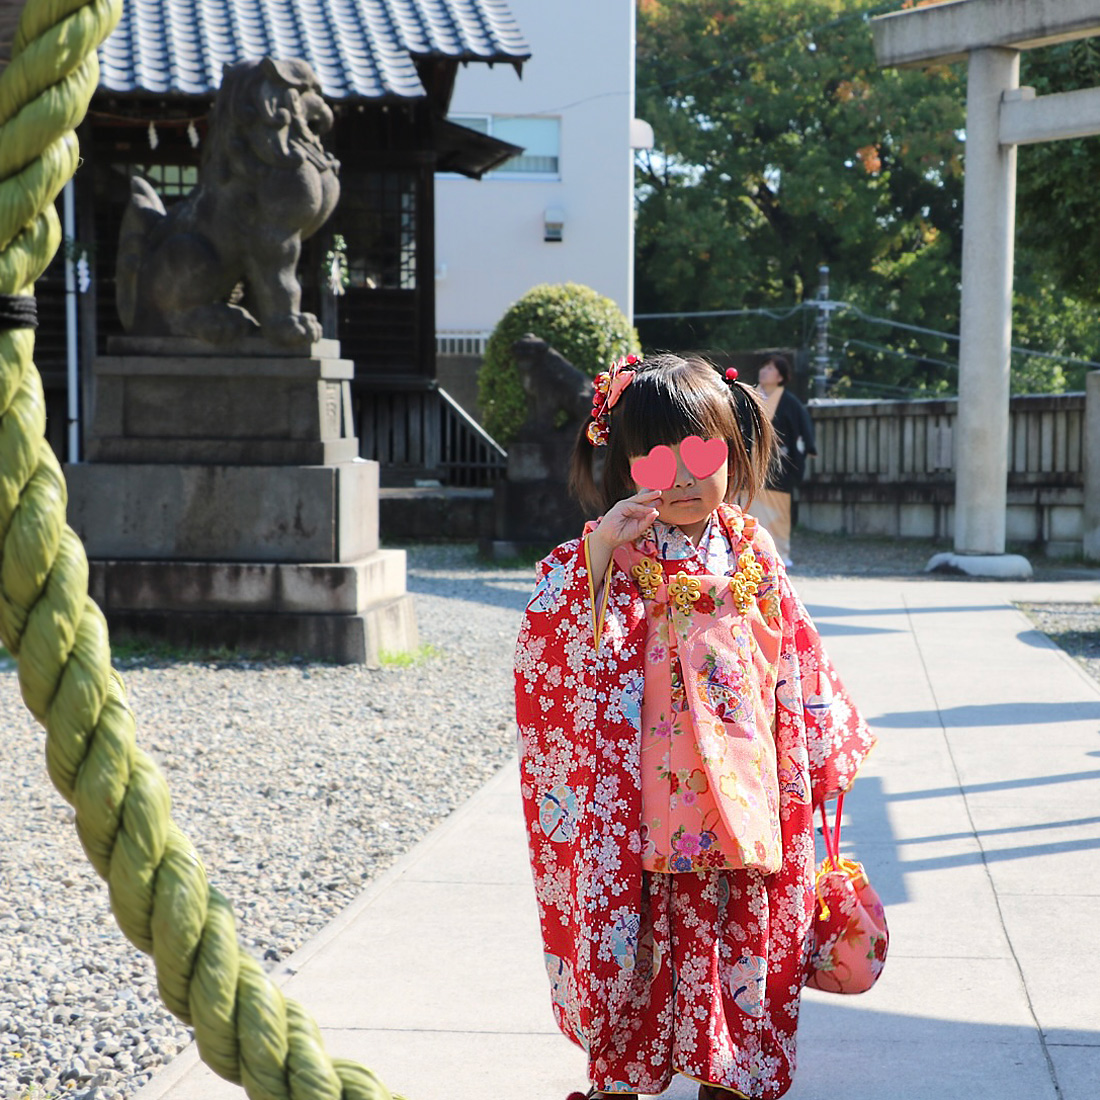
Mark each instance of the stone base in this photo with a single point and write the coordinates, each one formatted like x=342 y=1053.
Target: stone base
x=434 y=515
x=349 y=613
x=173 y=403
x=342 y=639
x=535 y=511
x=224 y=503
x=997 y=566
x=225 y=513
x=249 y=347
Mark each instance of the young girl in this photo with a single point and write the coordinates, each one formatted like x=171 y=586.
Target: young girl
x=679 y=722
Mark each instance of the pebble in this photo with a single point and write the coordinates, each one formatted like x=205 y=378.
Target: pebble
x=297 y=783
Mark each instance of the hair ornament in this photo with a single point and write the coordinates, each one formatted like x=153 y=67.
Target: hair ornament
x=608 y=387
x=742 y=406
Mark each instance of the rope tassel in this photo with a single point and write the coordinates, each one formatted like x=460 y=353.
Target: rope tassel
x=245 y=1030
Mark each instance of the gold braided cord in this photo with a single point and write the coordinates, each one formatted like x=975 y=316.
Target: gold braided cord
x=245 y=1030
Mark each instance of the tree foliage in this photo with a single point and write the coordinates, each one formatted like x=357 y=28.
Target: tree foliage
x=1055 y=201
x=581 y=324
x=780 y=146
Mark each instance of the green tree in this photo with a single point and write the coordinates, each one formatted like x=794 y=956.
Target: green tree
x=780 y=145
x=581 y=324
x=1055 y=201
x=1057 y=227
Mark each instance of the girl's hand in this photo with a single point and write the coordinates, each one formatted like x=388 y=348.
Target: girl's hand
x=623 y=523
x=627 y=520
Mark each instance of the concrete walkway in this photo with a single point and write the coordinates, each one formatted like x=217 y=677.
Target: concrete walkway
x=978 y=818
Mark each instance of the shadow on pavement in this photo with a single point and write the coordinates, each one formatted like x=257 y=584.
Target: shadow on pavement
x=819 y=611
x=988 y=714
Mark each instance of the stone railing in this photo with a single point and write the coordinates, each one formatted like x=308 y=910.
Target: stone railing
x=464 y=341
x=888 y=468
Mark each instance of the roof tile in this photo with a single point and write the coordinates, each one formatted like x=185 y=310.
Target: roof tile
x=360 y=49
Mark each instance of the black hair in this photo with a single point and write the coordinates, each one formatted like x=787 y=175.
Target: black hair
x=781 y=364
x=669 y=399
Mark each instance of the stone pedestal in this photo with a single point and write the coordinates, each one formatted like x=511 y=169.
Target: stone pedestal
x=1005 y=567
x=533 y=507
x=223 y=503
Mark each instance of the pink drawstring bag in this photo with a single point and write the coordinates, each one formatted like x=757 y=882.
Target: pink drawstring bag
x=850 y=936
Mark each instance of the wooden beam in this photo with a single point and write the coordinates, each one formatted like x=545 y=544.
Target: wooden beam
x=1026 y=119
x=942 y=33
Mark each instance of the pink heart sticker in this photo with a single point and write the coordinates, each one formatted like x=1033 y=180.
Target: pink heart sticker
x=657 y=470
x=704 y=457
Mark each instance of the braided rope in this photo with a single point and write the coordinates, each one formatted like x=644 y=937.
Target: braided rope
x=245 y=1030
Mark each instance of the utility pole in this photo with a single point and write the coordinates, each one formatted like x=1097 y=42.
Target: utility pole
x=824 y=307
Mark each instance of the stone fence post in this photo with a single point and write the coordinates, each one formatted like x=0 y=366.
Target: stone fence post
x=1091 y=534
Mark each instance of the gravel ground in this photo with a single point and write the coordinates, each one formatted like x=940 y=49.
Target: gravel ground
x=1073 y=626
x=298 y=783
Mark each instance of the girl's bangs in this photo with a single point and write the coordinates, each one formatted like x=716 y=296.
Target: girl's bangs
x=660 y=411
x=654 y=417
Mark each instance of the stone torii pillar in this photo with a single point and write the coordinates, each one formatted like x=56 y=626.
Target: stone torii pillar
x=1000 y=115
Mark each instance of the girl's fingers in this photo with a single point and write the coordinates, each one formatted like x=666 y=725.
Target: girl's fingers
x=643 y=518
x=632 y=516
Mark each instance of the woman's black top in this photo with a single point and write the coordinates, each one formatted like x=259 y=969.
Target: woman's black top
x=791 y=423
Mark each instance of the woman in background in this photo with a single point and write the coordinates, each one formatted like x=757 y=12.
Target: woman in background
x=795 y=439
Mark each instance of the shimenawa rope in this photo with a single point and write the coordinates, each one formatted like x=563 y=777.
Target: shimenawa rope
x=245 y=1029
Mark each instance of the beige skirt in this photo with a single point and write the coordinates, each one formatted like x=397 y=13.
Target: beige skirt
x=773 y=509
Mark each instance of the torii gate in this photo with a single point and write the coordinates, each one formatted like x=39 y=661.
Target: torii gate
x=990 y=35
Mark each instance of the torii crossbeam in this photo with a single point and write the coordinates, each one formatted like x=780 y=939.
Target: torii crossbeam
x=1000 y=115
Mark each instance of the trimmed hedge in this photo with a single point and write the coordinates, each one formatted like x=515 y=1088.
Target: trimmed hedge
x=585 y=327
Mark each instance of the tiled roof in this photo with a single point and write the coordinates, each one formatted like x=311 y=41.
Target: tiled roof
x=359 y=48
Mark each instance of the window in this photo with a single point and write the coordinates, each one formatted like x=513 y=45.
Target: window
x=378 y=219
x=539 y=136
x=170 y=181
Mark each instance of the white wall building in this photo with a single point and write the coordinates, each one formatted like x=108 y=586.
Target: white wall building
x=564 y=211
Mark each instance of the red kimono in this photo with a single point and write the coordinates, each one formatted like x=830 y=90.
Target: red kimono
x=674 y=742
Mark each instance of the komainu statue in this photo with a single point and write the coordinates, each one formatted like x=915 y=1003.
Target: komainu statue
x=265 y=184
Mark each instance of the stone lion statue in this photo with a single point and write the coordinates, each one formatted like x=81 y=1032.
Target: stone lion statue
x=266 y=183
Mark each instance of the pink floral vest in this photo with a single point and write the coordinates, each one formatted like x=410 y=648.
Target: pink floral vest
x=710 y=790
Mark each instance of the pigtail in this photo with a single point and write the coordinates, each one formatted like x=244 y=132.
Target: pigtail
x=582 y=475
x=752 y=450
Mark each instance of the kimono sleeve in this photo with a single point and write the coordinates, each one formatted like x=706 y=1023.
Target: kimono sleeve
x=578 y=709
x=556 y=636
x=563 y=602
x=810 y=693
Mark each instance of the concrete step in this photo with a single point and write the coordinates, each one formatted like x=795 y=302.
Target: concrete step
x=332 y=588
x=358 y=639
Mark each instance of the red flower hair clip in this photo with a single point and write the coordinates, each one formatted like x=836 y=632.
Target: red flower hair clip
x=608 y=387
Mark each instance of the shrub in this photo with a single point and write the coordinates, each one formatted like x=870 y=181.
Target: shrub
x=586 y=328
